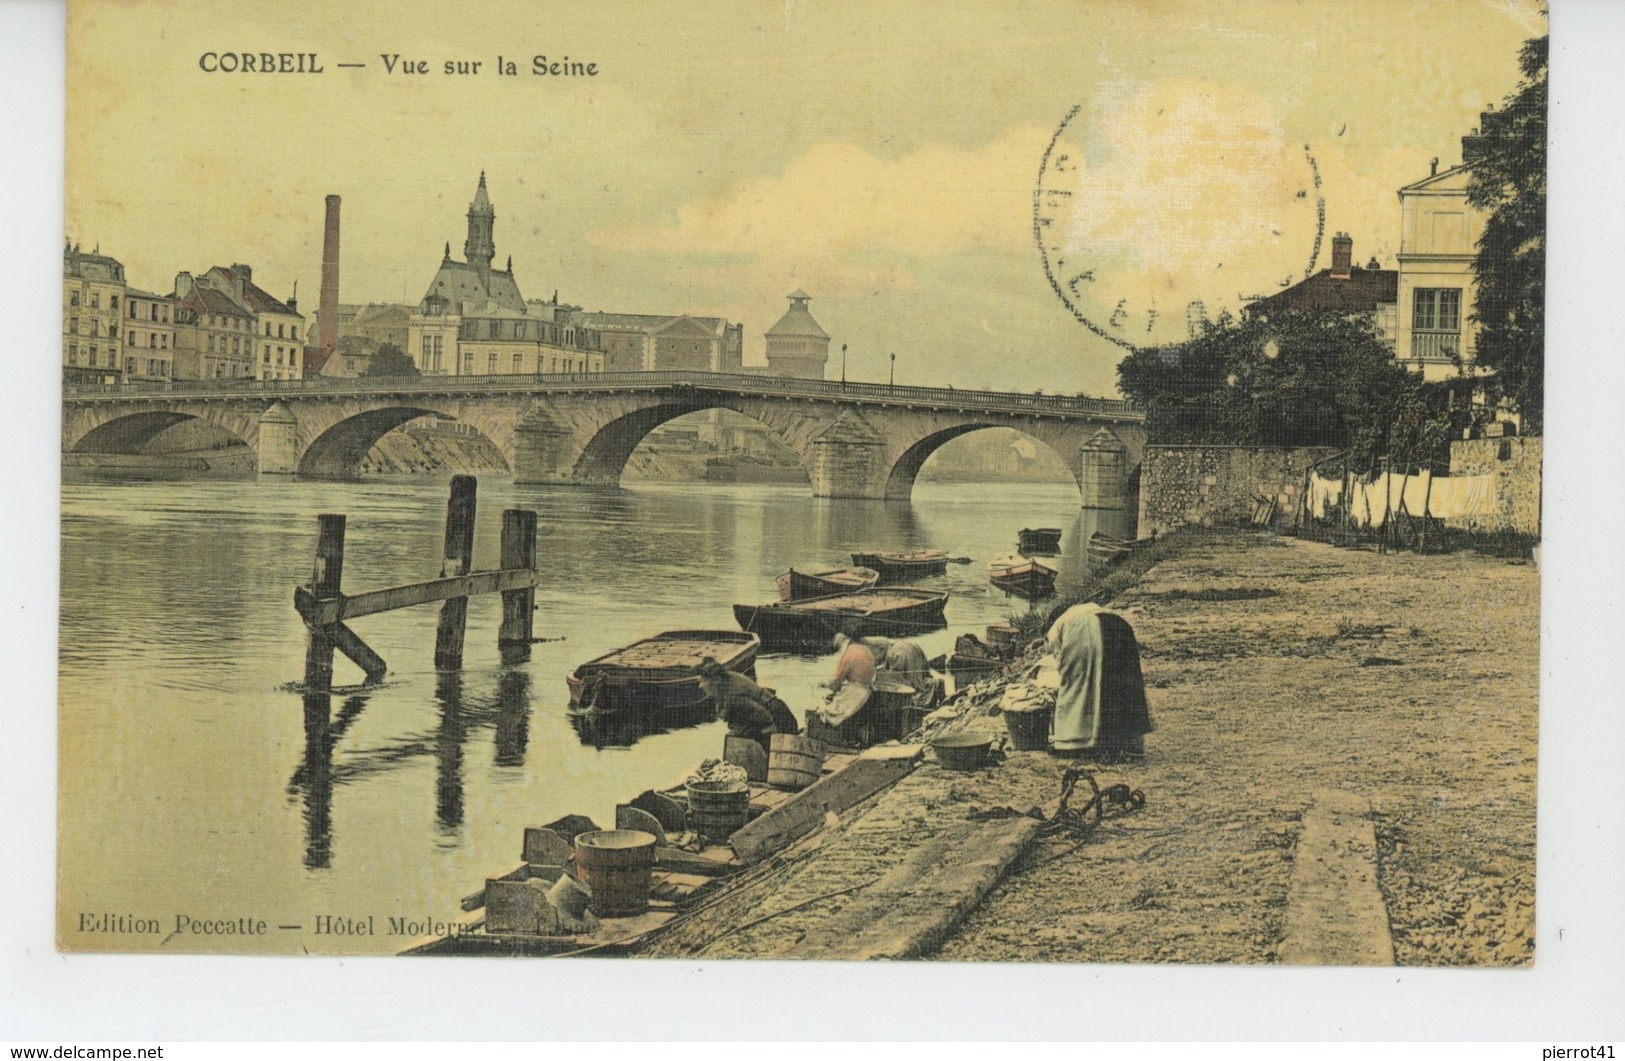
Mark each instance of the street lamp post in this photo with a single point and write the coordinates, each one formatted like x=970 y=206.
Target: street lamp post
x=843 y=364
x=892 y=384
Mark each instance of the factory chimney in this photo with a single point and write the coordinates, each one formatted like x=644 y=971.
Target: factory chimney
x=328 y=311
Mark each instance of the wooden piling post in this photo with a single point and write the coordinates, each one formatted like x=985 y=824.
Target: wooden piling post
x=325 y=579
x=518 y=605
x=459 y=558
x=325 y=608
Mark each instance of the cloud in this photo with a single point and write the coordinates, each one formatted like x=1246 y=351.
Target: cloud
x=1181 y=190
x=839 y=220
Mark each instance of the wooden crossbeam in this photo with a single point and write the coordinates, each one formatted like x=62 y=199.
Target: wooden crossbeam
x=324 y=605
x=324 y=612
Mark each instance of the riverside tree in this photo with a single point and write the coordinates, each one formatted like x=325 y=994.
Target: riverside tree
x=1508 y=182
x=390 y=360
x=1295 y=380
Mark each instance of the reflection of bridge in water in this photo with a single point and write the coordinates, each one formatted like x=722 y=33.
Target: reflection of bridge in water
x=853 y=439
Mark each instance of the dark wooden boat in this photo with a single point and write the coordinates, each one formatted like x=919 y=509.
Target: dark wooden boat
x=810 y=625
x=1022 y=576
x=904 y=565
x=1105 y=550
x=804 y=585
x=655 y=676
x=1039 y=541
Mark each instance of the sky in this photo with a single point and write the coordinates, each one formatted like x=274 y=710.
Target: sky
x=884 y=158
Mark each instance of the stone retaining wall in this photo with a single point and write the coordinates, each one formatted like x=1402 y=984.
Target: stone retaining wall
x=1218 y=485
x=1515 y=462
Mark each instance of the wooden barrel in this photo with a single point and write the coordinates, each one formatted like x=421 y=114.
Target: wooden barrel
x=616 y=865
x=717 y=809
x=794 y=762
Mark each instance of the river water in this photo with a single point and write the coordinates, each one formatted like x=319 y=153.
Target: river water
x=198 y=793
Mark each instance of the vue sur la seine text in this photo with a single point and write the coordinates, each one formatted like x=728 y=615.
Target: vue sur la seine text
x=392 y=63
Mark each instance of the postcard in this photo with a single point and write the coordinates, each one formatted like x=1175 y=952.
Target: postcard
x=1057 y=482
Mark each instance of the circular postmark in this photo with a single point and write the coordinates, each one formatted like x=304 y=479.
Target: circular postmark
x=1170 y=205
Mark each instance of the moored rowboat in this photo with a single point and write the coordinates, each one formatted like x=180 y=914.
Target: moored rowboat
x=1023 y=576
x=1104 y=549
x=656 y=677
x=1040 y=541
x=804 y=585
x=903 y=565
x=892 y=611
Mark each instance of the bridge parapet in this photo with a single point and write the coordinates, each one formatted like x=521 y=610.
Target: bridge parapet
x=733 y=384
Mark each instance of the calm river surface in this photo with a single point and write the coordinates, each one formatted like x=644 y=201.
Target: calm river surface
x=189 y=789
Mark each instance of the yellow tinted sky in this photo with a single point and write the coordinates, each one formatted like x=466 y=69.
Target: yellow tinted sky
x=881 y=156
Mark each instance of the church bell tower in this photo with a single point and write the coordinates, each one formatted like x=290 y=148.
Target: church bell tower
x=480 y=249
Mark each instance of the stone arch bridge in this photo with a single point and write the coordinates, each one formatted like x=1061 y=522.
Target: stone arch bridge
x=854 y=439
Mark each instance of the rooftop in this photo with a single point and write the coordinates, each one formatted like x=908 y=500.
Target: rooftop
x=1360 y=292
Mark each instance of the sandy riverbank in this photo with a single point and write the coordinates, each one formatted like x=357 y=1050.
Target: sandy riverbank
x=1278 y=670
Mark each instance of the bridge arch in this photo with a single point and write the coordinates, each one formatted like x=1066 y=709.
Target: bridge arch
x=128 y=433
x=337 y=452
x=605 y=455
x=906 y=468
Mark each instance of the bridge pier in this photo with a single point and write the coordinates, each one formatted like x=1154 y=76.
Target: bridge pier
x=542 y=451
x=1103 y=471
x=848 y=459
x=278 y=450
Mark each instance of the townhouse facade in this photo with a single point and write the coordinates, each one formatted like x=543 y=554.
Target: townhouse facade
x=93 y=293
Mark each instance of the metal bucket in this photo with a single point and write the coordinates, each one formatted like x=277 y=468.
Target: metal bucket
x=1029 y=730
x=794 y=762
x=717 y=809
x=616 y=865
x=963 y=751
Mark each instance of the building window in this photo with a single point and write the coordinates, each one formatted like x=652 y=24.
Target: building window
x=73 y=325
x=1436 y=322
x=428 y=348
x=495 y=328
x=112 y=303
x=491 y=364
x=293 y=331
x=468 y=363
x=518 y=365
x=95 y=300
x=73 y=299
x=73 y=353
